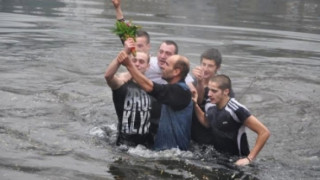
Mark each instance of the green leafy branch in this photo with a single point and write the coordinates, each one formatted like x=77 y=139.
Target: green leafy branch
x=125 y=30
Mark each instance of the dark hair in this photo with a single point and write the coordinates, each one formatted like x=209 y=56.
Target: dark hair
x=182 y=64
x=223 y=81
x=169 y=42
x=141 y=33
x=212 y=54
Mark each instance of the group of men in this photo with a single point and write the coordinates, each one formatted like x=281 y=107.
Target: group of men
x=160 y=105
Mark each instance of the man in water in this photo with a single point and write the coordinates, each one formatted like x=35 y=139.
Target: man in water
x=210 y=63
x=175 y=97
x=227 y=119
x=137 y=112
x=166 y=49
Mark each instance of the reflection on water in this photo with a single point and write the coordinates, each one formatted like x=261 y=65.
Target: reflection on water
x=57 y=120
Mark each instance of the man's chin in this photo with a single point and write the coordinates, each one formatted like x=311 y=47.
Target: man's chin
x=161 y=64
x=212 y=101
x=164 y=78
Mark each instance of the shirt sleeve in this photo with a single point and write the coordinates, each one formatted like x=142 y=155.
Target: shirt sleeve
x=240 y=110
x=189 y=79
x=172 y=95
x=243 y=114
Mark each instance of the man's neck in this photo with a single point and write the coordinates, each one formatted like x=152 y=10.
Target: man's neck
x=174 y=80
x=224 y=101
x=206 y=82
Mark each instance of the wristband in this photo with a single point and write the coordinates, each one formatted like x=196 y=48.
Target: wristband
x=249 y=159
x=121 y=20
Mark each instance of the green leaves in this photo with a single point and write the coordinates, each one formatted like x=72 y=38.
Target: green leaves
x=125 y=30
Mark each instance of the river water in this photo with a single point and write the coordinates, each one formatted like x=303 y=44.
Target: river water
x=57 y=119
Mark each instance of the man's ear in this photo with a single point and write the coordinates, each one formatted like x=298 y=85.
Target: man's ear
x=218 y=68
x=176 y=72
x=149 y=47
x=226 y=92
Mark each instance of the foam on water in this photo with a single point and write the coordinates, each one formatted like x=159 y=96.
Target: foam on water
x=174 y=153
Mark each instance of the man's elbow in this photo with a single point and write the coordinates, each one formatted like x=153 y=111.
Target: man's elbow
x=266 y=134
x=107 y=77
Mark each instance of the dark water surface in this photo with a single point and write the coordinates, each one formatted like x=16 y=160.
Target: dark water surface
x=57 y=119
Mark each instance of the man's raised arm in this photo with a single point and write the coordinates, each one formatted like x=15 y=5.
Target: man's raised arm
x=117 y=7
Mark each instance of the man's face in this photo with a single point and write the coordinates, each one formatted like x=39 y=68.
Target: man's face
x=141 y=61
x=215 y=94
x=142 y=44
x=164 y=52
x=167 y=69
x=209 y=68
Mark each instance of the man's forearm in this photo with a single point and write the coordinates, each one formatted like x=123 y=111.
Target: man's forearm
x=145 y=83
x=201 y=116
x=119 y=14
x=111 y=70
x=200 y=90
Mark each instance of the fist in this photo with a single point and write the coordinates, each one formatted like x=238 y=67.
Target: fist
x=198 y=72
x=122 y=56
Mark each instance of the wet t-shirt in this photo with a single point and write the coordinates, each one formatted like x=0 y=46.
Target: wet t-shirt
x=138 y=114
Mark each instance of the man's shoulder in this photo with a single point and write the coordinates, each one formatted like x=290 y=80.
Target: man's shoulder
x=234 y=105
x=176 y=88
x=210 y=106
x=180 y=89
x=153 y=61
x=189 y=79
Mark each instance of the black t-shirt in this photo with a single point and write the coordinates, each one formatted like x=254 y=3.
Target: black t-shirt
x=200 y=133
x=227 y=125
x=138 y=115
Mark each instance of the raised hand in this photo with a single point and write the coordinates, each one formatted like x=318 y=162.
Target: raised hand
x=198 y=73
x=122 y=56
x=194 y=95
x=129 y=45
x=116 y=3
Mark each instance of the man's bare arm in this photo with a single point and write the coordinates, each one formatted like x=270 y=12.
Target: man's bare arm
x=199 y=113
x=112 y=79
x=117 y=7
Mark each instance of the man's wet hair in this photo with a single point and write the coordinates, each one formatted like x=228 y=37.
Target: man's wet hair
x=212 y=54
x=142 y=33
x=223 y=81
x=170 y=42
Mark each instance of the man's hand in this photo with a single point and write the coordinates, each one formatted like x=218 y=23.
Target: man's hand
x=128 y=45
x=122 y=56
x=116 y=3
x=127 y=61
x=198 y=73
x=243 y=162
x=124 y=59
